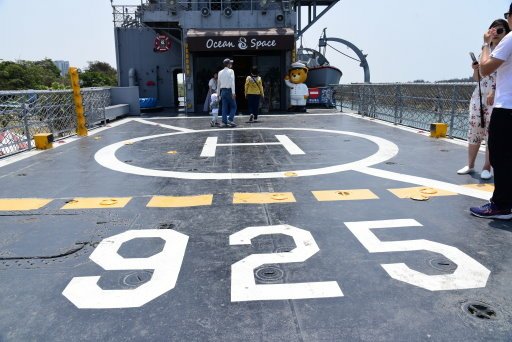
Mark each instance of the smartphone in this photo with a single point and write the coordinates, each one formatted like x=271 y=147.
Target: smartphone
x=472 y=55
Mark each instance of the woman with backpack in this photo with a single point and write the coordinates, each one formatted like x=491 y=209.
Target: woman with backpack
x=253 y=93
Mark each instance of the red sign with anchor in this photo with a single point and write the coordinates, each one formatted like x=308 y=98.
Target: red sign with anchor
x=162 y=43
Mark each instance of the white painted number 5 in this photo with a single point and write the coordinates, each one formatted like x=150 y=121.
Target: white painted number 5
x=468 y=275
x=85 y=293
x=243 y=285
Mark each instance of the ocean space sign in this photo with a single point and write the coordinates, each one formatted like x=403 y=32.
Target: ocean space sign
x=241 y=43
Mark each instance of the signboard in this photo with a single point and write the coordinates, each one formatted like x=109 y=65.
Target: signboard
x=241 y=43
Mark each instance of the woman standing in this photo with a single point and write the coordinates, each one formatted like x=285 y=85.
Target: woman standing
x=477 y=133
x=253 y=93
x=212 y=88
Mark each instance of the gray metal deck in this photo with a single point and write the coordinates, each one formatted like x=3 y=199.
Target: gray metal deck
x=283 y=230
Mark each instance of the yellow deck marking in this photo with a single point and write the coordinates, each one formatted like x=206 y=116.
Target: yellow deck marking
x=18 y=204
x=97 y=203
x=180 y=201
x=483 y=187
x=344 y=195
x=263 y=197
x=419 y=192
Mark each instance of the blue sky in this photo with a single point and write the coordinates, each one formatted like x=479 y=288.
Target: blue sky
x=405 y=39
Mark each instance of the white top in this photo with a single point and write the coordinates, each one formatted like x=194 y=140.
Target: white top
x=503 y=52
x=297 y=89
x=212 y=84
x=226 y=79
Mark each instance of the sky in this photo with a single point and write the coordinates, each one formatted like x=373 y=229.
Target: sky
x=405 y=40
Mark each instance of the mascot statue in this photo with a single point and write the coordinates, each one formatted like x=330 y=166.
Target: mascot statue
x=299 y=92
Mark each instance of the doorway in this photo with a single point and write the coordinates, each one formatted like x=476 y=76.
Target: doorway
x=242 y=67
x=270 y=67
x=179 y=88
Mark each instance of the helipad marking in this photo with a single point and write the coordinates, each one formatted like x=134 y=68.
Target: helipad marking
x=482 y=187
x=425 y=182
x=344 y=195
x=175 y=128
x=421 y=190
x=97 y=203
x=179 y=201
x=107 y=158
x=263 y=198
x=22 y=204
x=211 y=144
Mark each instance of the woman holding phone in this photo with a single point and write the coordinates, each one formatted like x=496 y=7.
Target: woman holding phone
x=477 y=133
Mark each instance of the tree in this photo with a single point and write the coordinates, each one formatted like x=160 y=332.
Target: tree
x=99 y=74
x=29 y=75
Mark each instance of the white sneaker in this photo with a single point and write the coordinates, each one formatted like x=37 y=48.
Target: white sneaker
x=486 y=174
x=465 y=170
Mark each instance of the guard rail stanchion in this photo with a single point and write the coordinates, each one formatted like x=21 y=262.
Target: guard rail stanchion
x=81 y=128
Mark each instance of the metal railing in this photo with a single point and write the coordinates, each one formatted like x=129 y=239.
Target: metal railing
x=127 y=16
x=26 y=113
x=415 y=105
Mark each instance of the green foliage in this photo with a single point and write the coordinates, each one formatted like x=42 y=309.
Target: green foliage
x=43 y=74
x=98 y=74
x=28 y=75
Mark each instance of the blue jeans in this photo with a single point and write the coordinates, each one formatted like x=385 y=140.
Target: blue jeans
x=254 y=104
x=228 y=106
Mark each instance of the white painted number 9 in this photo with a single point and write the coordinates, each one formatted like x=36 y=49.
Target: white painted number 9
x=85 y=293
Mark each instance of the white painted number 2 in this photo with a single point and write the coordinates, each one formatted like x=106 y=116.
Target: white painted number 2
x=469 y=273
x=243 y=286
x=85 y=293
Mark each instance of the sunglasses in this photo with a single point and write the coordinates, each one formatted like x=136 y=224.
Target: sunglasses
x=507 y=15
x=500 y=30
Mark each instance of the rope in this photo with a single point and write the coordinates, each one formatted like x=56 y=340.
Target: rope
x=344 y=54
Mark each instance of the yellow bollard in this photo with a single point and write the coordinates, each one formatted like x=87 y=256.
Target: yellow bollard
x=81 y=128
x=438 y=130
x=44 y=141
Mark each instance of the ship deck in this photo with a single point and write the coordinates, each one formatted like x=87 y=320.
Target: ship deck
x=315 y=227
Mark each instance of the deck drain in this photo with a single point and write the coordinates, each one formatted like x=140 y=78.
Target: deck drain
x=428 y=191
x=442 y=264
x=480 y=310
x=166 y=226
x=137 y=278
x=284 y=249
x=390 y=163
x=290 y=174
x=279 y=197
x=107 y=202
x=444 y=150
x=269 y=274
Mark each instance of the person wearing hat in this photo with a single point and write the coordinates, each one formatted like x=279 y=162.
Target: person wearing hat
x=500 y=59
x=226 y=92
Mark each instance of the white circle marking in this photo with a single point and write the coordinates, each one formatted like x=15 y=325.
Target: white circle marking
x=107 y=158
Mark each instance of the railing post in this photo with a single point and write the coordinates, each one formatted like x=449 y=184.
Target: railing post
x=397 y=99
x=353 y=98
x=25 y=122
x=362 y=107
x=454 y=109
x=342 y=92
x=439 y=104
x=400 y=105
